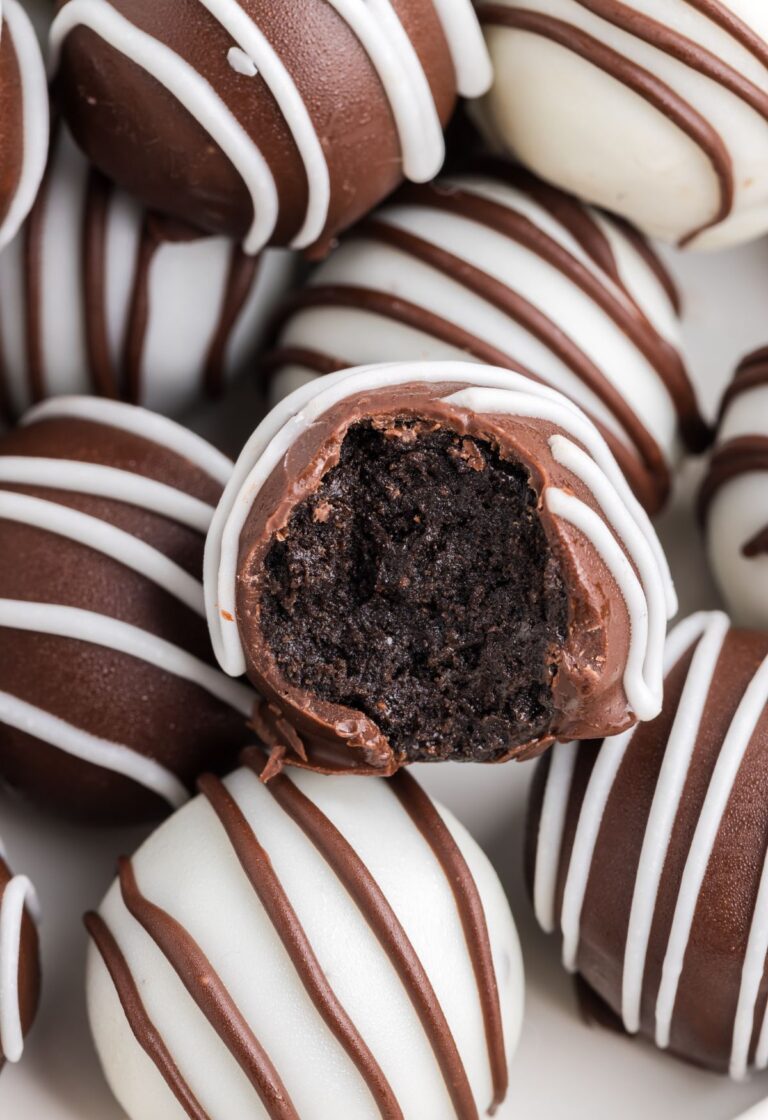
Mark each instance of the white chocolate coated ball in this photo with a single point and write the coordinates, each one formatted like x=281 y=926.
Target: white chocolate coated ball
x=655 y=109
x=190 y=868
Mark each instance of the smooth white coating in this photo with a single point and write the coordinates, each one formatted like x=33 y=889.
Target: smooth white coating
x=590 y=133
x=737 y=513
x=19 y=895
x=382 y=35
x=356 y=335
x=494 y=391
x=187 y=286
x=189 y=868
x=15 y=22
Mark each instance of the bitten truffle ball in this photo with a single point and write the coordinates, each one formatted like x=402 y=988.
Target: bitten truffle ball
x=275 y=123
x=499 y=266
x=19 y=961
x=110 y=705
x=434 y=561
x=657 y=111
x=312 y=947
x=648 y=852
x=99 y=295
x=24 y=118
x=733 y=502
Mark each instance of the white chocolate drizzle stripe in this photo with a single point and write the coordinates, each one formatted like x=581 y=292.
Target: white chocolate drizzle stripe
x=103 y=537
x=598 y=791
x=549 y=842
x=252 y=41
x=749 y=990
x=139 y=422
x=18 y=895
x=111 y=633
x=495 y=391
x=191 y=90
x=108 y=482
x=734 y=748
x=664 y=809
x=92 y=749
x=393 y=56
x=643 y=675
x=471 y=61
x=35 y=111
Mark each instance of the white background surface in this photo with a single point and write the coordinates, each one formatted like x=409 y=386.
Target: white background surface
x=563 y=1067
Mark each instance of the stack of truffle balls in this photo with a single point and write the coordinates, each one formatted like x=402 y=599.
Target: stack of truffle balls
x=462 y=363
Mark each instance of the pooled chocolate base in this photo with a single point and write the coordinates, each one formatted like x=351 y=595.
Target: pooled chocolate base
x=417 y=585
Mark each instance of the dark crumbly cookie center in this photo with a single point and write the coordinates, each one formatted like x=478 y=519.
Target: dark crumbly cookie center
x=416 y=585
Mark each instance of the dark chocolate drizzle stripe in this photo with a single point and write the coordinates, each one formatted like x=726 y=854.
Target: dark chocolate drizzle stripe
x=652 y=488
x=138 y=313
x=209 y=993
x=243 y=273
x=682 y=48
x=757 y=546
x=258 y=868
x=144 y=1030
x=716 y=12
x=731 y=459
x=633 y=323
x=751 y=373
x=536 y=323
x=641 y=82
x=98 y=196
x=644 y=249
x=376 y=910
x=470 y=907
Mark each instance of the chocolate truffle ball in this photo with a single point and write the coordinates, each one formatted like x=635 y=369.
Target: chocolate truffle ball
x=434 y=561
x=24 y=118
x=19 y=961
x=98 y=295
x=734 y=496
x=311 y=947
x=275 y=123
x=499 y=266
x=110 y=705
x=648 y=853
x=658 y=112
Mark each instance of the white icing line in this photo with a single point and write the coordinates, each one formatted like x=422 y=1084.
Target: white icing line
x=666 y=801
x=643 y=676
x=108 y=482
x=107 y=539
x=393 y=56
x=751 y=979
x=254 y=44
x=139 y=422
x=35 y=114
x=494 y=391
x=18 y=895
x=192 y=91
x=111 y=633
x=731 y=755
x=549 y=843
x=92 y=748
x=601 y=782
x=471 y=60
